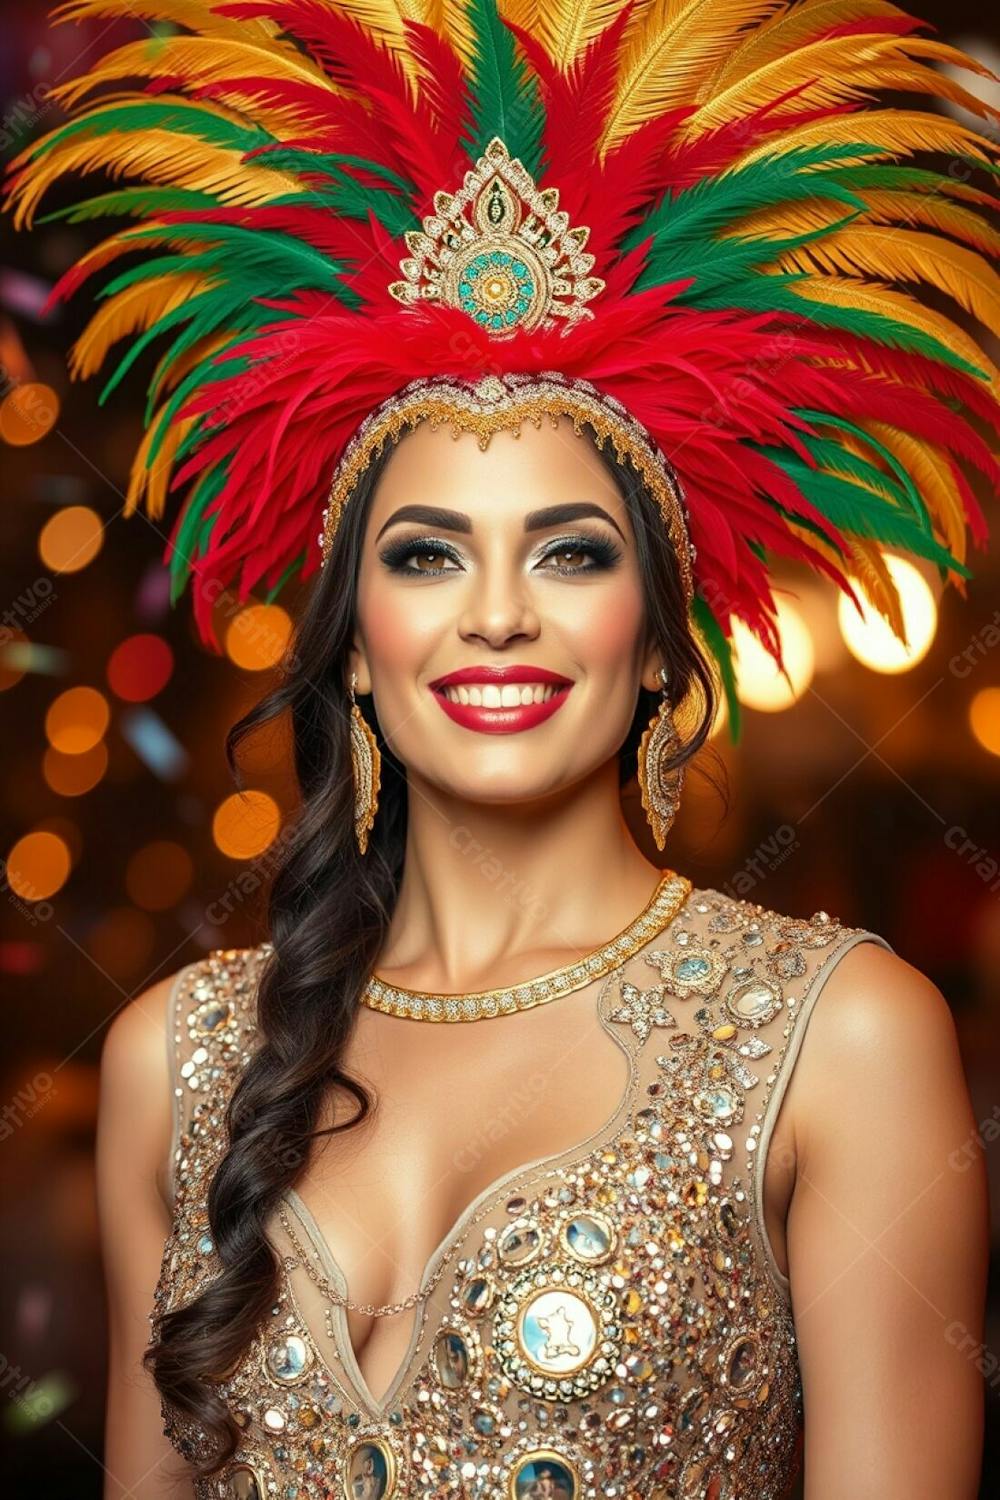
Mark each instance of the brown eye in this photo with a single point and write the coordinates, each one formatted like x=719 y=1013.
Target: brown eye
x=564 y=554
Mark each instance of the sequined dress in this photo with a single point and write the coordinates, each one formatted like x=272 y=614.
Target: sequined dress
x=611 y=1321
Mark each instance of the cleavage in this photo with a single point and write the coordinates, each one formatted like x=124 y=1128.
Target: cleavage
x=456 y=1116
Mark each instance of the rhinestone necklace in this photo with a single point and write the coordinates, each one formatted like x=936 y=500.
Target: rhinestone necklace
x=422 y=1005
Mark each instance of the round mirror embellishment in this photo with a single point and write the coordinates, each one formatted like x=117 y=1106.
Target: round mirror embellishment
x=556 y=1332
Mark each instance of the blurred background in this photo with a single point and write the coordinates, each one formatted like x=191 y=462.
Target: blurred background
x=869 y=788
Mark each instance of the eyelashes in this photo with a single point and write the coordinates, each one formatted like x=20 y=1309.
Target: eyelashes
x=603 y=554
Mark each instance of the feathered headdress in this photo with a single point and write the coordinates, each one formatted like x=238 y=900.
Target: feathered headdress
x=689 y=208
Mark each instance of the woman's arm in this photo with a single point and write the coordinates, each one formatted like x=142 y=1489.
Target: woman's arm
x=887 y=1240
x=133 y=1145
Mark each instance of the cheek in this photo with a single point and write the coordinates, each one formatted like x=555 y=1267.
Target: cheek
x=397 y=627
x=602 y=627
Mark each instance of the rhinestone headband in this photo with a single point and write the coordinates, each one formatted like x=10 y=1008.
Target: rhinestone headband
x=496 y=403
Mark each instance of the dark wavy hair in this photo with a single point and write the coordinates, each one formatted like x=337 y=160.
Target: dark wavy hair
x=329 y=910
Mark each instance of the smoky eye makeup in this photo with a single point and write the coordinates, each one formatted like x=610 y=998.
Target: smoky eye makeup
x=400 y=556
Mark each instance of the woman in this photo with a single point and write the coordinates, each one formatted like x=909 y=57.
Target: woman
x=661 y=1204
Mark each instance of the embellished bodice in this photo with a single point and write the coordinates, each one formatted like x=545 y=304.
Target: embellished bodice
x=609 y=1320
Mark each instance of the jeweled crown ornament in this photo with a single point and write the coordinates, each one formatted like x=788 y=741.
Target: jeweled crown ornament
x=501 y=250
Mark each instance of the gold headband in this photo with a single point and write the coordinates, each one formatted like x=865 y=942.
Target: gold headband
x=496 y=403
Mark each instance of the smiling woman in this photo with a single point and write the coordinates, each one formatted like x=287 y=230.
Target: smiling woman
x=537 y=332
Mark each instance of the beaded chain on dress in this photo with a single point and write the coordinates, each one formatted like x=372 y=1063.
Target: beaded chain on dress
x=608 y=1321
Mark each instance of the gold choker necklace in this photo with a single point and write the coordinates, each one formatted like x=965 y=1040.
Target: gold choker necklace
x=419 y=1005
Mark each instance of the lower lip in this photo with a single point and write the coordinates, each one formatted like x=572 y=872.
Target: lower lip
x=502 y=720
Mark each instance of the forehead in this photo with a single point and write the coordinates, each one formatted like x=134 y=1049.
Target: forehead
x=515 y=472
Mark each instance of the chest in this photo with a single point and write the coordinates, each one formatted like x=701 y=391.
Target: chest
x=459 y=1111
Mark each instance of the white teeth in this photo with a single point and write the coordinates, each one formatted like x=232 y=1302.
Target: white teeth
x=495 y=695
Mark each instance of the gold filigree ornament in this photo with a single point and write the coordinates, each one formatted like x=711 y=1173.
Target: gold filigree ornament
x=501 y=250
x=660 y=786
x=366 y=766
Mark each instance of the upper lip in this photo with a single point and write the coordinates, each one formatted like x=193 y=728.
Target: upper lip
x=514 y=673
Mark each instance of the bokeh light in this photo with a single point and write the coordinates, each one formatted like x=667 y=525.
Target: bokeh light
x=71 y=539
x=140 y=667
x=72 y=775
x=246 y=823
x=869 y=637
x=67 y=829
x=122 y=943
x=760 y=684
x=257 y=637
x=38 y=865
x=159 y=875
x=27 y=412
x=984 y=718
x=12 y=659
x=76 y=720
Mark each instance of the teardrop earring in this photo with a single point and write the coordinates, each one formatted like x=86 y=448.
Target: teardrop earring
x=660 y=787
x=366 y=763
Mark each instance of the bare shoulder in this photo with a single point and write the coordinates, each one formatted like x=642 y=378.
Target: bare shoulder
x=136 y=1039
x=135 y=1118
x=881 y=1036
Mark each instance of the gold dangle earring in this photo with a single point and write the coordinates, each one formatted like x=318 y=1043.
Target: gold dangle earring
x=661 y=788
x=367 y=766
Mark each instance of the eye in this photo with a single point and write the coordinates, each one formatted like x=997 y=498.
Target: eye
x=397 y=555
x=602 y=553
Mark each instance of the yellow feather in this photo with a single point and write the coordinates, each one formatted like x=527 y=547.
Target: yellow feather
x=825 y=72
x=913 y=78
x=158 y=156
x=192 y=59
x=786 y=33
x=173 y=373
x=891 y=206
x=197 y=15
x=906 y=255
x=153 y=483
x=131 y=310
x=884 y=206
x=672 y=49
x=890 y=302
x=928 y=467
x=863 y=562
x=867 y=566
x=893 y=132
x=565 y=27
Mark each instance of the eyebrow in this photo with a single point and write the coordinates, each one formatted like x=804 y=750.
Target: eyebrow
x=535 y=520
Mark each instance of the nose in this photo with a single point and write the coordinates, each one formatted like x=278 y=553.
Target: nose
x=498 y=607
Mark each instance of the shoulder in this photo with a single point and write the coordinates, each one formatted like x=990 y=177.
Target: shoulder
x=139 y=1040
x=879 y=1059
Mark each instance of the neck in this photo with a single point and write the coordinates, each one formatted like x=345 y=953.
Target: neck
x=492 y=892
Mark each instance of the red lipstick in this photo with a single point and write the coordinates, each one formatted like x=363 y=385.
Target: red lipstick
x=501 y=720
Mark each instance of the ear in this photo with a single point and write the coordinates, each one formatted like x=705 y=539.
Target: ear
x=357 y=661
x=653 y=661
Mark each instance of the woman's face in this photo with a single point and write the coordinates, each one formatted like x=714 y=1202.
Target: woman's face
x=519 y=556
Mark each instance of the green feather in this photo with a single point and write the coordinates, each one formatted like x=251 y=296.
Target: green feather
x=182 y=118
x=718 y=203
x=722 y=651
x=194 y=529
x=854 y=509
x=272 y=593
x=775 y=293
x=505 y=98
x=295 y=162
x=133 y=202
x=905 y=492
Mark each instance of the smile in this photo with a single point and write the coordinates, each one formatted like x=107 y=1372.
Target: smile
x=501 y=701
